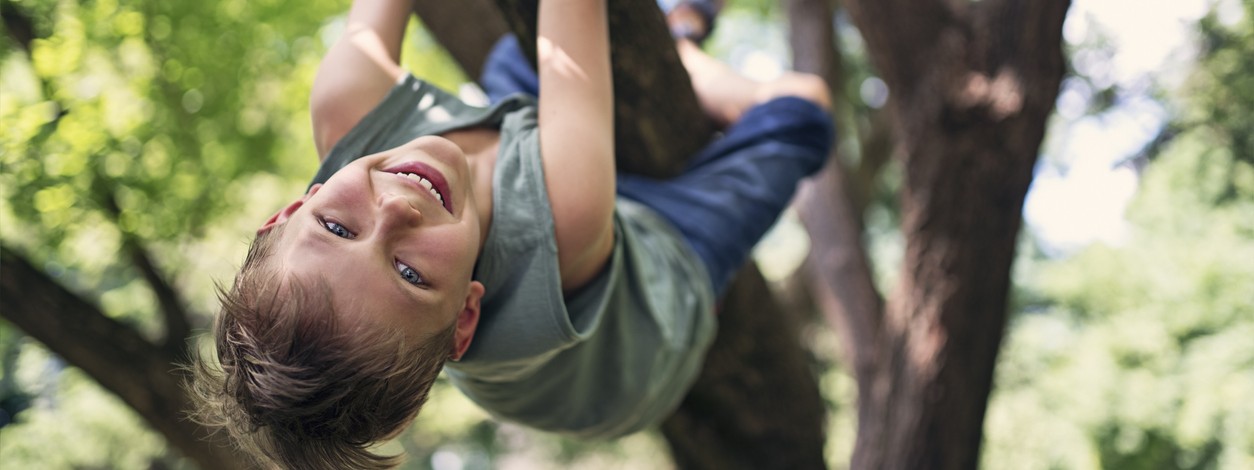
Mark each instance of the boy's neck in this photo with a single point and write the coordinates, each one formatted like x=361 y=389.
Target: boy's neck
x=480 y=146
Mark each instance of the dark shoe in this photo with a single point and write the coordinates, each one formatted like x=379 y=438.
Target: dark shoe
x=707 y=12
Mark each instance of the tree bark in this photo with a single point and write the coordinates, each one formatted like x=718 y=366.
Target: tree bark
x=972 y=87
x=144 y=375
x=657 y=124
x=466 y=28
x=756 y=403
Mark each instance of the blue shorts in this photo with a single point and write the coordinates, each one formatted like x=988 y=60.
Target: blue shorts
x=733 y=190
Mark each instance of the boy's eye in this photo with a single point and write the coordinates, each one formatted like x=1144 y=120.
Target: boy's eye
x=338 y=230
x=409 y=274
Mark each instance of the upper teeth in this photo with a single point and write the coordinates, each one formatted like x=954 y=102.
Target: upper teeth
x=425 y=183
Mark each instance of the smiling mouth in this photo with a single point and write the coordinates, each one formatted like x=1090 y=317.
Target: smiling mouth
x=426 y=183
x=425 y=178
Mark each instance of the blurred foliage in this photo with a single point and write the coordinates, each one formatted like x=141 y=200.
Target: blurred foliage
x=1224 y=90
x=1139 y=356
x=149 y=123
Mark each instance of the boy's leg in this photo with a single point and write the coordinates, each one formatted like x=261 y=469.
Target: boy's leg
x=507 y=71
x=724 y=94
x=736 y=188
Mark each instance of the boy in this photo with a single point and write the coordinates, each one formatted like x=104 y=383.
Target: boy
x=431 y=223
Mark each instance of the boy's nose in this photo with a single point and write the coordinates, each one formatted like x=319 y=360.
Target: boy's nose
x=396 y=210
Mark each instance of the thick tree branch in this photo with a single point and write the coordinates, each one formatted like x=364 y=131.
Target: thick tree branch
x=79 y=332
x=756 y=403
x=115 y=355
x=813 y=42
x=466 y=28
x=658 y=123
x=972 y=87
x=901 y=49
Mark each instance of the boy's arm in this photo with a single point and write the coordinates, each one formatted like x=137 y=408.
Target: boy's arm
x=359 y=69
x=577 y=133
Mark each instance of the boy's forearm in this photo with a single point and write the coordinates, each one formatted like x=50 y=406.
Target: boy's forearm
x=573 y=55
x=577 y=131
x=359 y=69
x=372 y=35
x=386 y=18
x=576 y=91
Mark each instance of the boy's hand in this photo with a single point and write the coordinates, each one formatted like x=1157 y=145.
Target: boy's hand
x=577 y=133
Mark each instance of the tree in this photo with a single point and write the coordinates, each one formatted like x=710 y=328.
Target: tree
x=972 y=85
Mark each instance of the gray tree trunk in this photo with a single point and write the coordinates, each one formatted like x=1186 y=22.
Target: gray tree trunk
x=972 y=85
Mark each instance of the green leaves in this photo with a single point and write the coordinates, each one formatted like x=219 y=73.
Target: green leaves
x=161 y=124
x=1139 y=355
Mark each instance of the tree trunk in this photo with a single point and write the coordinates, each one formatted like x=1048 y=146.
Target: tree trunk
x=756 y=403
x=142 y=374
x=466 y=28
x=972 y=87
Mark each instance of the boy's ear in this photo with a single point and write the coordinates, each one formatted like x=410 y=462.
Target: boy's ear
x=283 y=214
x=467 y=321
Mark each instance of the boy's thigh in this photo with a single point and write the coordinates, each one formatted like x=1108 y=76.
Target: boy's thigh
x=507 y=71
x=736 y=188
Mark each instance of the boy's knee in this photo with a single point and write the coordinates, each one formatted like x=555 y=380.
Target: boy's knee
x=806 y=86
x=811 y=87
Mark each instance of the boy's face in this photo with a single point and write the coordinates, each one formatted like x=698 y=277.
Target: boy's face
x=395 y=235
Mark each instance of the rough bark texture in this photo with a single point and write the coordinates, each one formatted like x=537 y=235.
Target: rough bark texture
x=657 y=123
x=972 y=85
x=141 y=373
x=756 y=403
x=466 y=28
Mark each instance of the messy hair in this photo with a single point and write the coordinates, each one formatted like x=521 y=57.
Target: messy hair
x=296 y=386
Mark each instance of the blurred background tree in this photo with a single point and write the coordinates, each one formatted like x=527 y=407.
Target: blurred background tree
x=142 y=143
x=1138 y=354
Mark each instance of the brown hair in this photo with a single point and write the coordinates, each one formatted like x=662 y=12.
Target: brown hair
x=295 y=385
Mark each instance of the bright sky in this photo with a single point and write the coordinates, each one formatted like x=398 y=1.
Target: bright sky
x=1080 y=193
